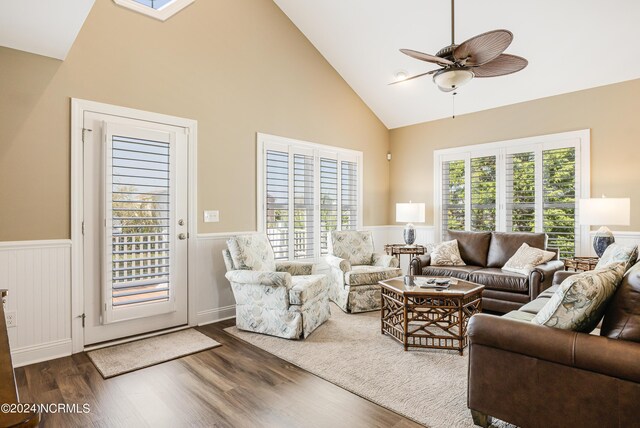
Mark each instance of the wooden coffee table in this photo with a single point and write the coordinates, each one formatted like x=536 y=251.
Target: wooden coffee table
x=426 y=317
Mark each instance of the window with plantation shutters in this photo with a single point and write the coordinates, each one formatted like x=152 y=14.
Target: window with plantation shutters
x=483 y=193
x=277 y=201
x=520 y=192
x=527 y=185
x=453 y=195
x=305 y=191
x=559 y=199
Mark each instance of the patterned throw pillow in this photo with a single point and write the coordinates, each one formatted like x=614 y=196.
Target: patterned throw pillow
x=580 y=301
x=447 y=254
x=526 y=258
x=252 y=252
x=616 y=253
x=352 y=245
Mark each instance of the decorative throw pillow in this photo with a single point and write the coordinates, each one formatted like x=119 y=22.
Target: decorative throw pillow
x=616 y=253
x=526 y=258
x=252 y=252
x=446 y=254
x=580 y=301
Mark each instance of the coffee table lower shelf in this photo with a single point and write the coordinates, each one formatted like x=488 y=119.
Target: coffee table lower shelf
x=428 y=318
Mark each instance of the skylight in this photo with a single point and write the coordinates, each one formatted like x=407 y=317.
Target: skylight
x=158 y=9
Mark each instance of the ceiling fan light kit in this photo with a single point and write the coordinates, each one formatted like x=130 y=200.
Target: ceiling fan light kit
x=480 y=56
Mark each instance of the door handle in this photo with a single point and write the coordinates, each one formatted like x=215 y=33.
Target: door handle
x=182 y=237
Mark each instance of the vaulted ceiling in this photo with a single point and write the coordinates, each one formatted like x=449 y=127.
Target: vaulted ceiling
x=570 y=45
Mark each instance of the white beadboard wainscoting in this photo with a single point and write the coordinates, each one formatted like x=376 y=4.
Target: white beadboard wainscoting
x=38 y=277
x=37 y=274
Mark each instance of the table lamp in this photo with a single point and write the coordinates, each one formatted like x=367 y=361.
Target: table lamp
x=604 y=212
x=410 y=213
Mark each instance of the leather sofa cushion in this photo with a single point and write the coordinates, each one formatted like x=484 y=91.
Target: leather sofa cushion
x=460 y=272
x=505 y=244
x=497 y=279
x=366 y=275
x=519 y=316
x=534 y=306
x=622 y=317
x=306 y=287
x=473 y=246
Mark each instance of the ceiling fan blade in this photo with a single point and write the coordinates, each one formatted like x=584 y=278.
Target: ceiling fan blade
x=414 y=77
x=426 y=57
x=504 y=64
x=483 y=48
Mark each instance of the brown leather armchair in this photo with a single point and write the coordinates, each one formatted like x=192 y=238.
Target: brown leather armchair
x=536 y=376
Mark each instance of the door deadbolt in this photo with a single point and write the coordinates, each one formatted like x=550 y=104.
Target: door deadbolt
x=181 y=222
x=182 y=236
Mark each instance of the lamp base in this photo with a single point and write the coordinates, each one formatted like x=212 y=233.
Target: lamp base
x=409 y=234
x=602 y=239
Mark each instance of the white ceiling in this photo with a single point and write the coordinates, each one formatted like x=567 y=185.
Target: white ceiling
x=43 y=27
x=570 y=45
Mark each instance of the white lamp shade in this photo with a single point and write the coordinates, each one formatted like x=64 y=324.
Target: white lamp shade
x=452 y=78
x=605 y=211
x=410 y=213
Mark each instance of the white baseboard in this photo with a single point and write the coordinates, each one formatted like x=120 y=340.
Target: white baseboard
x=218 y=314
x=41 y=352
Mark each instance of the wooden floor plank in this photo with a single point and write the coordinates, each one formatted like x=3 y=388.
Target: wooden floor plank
x=234 y=385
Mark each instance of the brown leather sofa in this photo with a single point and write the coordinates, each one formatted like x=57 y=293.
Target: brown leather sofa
x=536 y=376
x=484 y=254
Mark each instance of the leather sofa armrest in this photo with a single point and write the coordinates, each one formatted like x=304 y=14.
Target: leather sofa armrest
x=541 y=277
x=611 y=357
x=417 y=263
x=561 y=275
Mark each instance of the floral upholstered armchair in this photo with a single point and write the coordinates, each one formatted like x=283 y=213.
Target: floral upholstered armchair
x=356 y=270
x=281 y=299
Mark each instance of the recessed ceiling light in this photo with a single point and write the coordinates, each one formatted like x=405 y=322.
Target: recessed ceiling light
x=401 y=75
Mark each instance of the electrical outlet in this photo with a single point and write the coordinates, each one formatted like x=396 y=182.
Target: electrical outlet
x=12 y=319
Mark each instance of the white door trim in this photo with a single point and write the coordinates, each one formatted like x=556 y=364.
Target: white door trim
x=78 y=107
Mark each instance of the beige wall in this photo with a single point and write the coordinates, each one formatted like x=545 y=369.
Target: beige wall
x=236 y=66
x=611 y=112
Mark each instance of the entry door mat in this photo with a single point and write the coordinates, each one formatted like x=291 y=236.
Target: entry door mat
x=127 y=357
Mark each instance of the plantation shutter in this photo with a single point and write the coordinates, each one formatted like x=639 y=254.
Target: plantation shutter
x=521 y=192
x=277 y=201
x=453 y=195
x=328 y=201
x=559 y=199
x=303 y=205
x=483 y=193
x=348 y=195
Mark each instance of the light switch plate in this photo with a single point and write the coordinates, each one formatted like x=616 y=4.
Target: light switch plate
x=211 y=216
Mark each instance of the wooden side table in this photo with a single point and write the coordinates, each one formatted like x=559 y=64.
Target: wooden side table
x=399 y=249
x=580 y=264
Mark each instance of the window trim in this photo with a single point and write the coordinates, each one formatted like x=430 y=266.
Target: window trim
x=580 y=139
x=162 y=14
x=267 y=141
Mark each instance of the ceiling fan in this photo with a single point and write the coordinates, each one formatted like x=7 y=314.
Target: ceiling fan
x=480 y=56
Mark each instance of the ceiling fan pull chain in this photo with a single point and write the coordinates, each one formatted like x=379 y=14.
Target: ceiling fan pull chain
x=453 y=105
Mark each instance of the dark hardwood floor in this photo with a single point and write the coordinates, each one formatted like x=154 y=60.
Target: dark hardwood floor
x=234 y=385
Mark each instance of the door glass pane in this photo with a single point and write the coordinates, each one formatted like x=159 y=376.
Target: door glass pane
x=303 y=205
x=328 y=201
x=349 y=195
x=140 y=221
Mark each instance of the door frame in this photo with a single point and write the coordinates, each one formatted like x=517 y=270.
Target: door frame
x=78 y=107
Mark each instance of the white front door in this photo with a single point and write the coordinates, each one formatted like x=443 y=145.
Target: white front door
x=135 y=227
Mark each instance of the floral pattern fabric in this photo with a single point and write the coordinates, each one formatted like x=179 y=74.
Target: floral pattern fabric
x=295 y=268
x=447 y=254
x=526 y=258
x=307 y=287
x=352 y=245
x=580 y=301
x=252 y=252
x=616 y=253
x=384 y=260
x=338 y=263
x=364 y=275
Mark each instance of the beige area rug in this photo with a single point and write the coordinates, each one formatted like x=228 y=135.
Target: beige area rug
x=427 y=386
x=128 y=357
